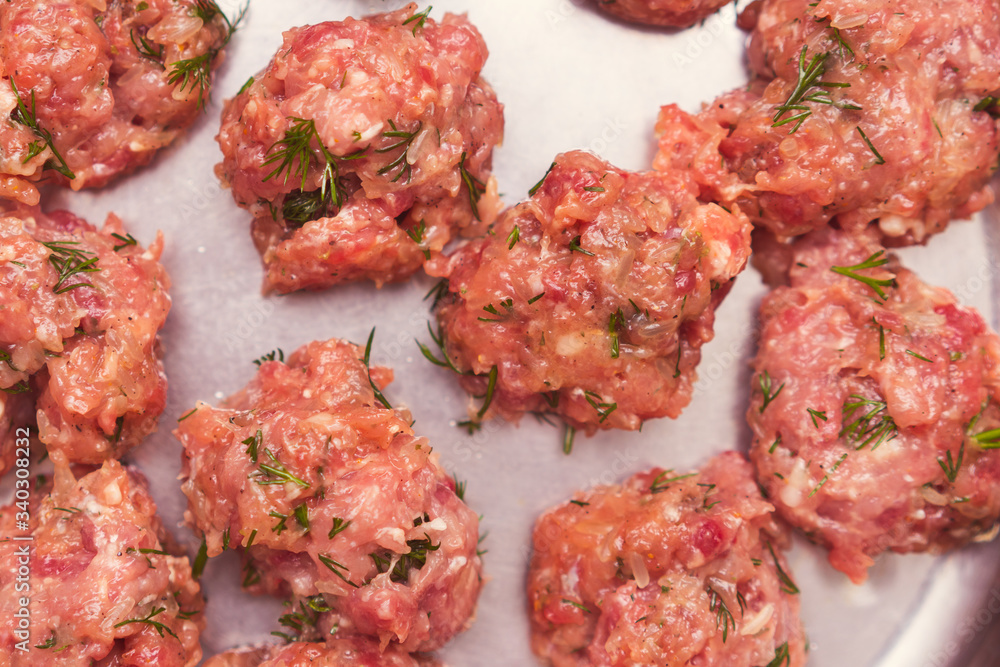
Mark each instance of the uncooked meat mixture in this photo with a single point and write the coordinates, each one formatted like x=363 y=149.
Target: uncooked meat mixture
x=667 y=13
x=591 y=299
x=104 y=586
x=363 y=148
x=875 y=406
x=666 y=569
x=332 y=499
x=80 y=310
x=860 y=111
x=353 y=652
x=90 y=90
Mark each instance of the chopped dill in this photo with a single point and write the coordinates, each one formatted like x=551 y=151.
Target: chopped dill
x=68 y=261
x=764 y=382
x=874 y=260
x=475 y=186
x=661 y=482
x=951 y=466
x=537 y=185
x=872 y=426
x=368 y=369
x=878 y=156
x=418 y=19
x=809 y=80
x=339 y=526
x=401 y=164
x=196 y=73
x=148 y=620
x=21 y=114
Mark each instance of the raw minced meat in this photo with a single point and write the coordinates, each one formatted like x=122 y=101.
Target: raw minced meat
x=665 y=569
x=591 y=299
x=16 y=411
x=920 y=150
x=353 y=652
x=328 y=493
x=96 y=84
x=668 y=13
x=81 y=309
x=105 y=588
x=875 y=406
x=396 y=129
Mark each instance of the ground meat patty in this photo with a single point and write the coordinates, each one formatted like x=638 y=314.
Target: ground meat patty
x=875 y=406
x=100 y=89
x=591 y=299
x=669 y=13
x=919 y=151
x=353 y=652
x=328 y=493
x=363 y=148
x=81 y=311
x=103 y=587
x=668 y=568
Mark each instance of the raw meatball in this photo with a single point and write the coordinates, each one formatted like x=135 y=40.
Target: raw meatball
x=669 y=13
x=591 y=299
x=104 y=586
x=354 y=652
x=92 y=93
x=363 y=148
x=889 y=117
x=875 y=406
x=328 y=493
x=81 y=312
x=666 y=569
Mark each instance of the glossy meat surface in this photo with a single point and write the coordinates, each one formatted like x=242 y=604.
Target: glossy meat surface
x=397 y=131
x=353 y=652
x=592 y=298
x=82 y=309
x=99 y=85
x=332 y=499
x=864 y=112
x=104 y=587
x=665 y=569
x=874 y=419
x=666 y=13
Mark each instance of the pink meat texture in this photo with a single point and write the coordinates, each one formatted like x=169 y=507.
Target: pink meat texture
x=666 y=13
x=81 y=310
x=860 y=112
x=105 y=586
x=333 y=500
x=363 y=148
x=352 y=652
x=665 y=569
x=875 y=406
x=590 y=300
x=90 y=93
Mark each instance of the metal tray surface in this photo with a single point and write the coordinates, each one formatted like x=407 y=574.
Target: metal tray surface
x=569 y=78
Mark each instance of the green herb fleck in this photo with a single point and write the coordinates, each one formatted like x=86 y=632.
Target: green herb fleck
x=764 y=382
x=875 y=260
x=878 y=157
x=662 y=482
x=339 y=526
x=148 y=620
